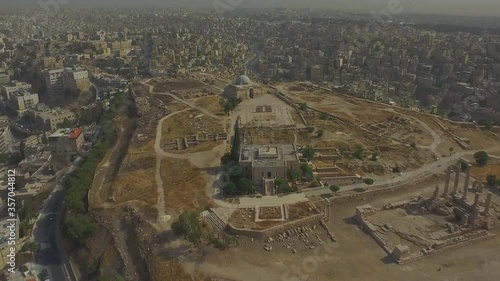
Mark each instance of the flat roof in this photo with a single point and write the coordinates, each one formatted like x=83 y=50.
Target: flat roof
x=268 y=153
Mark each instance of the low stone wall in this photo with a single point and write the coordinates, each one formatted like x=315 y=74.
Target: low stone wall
x=273 y=230
x=379 y=191
x=293 y=224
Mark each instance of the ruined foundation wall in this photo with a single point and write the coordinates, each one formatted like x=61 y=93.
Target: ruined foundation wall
x=273 y=230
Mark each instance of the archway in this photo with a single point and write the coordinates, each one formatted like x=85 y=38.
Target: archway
x=251 y=93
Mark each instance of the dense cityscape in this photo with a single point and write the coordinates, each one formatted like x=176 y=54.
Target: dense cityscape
x=160 y=144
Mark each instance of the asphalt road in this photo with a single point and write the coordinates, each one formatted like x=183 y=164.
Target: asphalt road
x=46 y=232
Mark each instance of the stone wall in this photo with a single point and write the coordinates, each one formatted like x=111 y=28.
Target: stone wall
x=275 y=229
x=380 y=190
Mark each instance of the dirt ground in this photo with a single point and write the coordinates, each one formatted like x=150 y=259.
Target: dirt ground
x=356 y=256
x=480 y=173
x=189 y=122
x=185 y=185
x=163 y=86
x=212 y=104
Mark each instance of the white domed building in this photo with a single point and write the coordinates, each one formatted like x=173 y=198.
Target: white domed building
x=242 y=87
x=242 y=80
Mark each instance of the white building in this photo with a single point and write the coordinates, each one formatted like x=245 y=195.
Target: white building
x=60 y=80
x=22 y=101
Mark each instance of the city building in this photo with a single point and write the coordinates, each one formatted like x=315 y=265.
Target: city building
x=5 y=135
x=5 y=234
x=4 y=79
x=14 y=86
x=22 y=101
x=66 y=144
x=51 y=119
x=58 y=81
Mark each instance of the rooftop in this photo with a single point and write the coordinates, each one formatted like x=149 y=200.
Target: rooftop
x=264 y=155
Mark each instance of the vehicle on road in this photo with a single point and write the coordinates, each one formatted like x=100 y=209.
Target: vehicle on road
x=44 y=275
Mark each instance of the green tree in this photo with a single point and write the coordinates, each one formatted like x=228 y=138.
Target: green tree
x=22 y=146
x=368 y=181
x=293 y=174
x=80 y=227
x=481 y=158
x=321 y=132
x=303 y=106
x=282 y=186
x=359 y=153
x=45 y=140
x=335 y=188
x=229 y=189
x=323 y=116
x=491 y=180
x=307 y=171
x=189 y=225
x=451 y=150
x=308 y=153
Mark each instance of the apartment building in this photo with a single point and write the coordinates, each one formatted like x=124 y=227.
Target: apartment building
x=4 y=79
x=5 y=136
x=58 y=81
x=21 y=101
x=50 y=119
x=14 y=86
x=66 y=144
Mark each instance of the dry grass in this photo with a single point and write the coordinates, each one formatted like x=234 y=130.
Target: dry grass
x=184 y=185
x=203 y=146
x=161 y=86
x=480 y=173
x=212 y=104
x=136 y=178
x=189 y=122
x=138 y=184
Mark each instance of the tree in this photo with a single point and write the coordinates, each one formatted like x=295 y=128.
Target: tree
x=32 y=247
x=22 y=145
x=189 y=225
x=293 y=174
x=359 y=153
x=307 y=171
x=308 y=153
x=282 y=186
x=80 y=227
x=323 y=116
x=368 y=181
x=335 y=188
x=303 y=106
x=451 y=150
x=491 y=180
x=45 y=140
x=481 y=158
x=229 y=189
x=321 y=132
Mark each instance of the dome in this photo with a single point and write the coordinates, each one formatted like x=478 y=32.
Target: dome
x=243 y=80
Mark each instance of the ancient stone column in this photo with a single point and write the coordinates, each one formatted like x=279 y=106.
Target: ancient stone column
x=447 y=183
x=435 y=196
x=457 y=177
x=487 y=204
x=467 y=179
x=476 y=199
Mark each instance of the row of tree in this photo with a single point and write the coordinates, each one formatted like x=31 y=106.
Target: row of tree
x=78 y=225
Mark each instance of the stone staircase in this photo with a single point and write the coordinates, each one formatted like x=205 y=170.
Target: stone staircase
x=214 y=220
x=268 y=186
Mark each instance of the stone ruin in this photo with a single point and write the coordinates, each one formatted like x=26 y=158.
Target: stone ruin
x=464 y=221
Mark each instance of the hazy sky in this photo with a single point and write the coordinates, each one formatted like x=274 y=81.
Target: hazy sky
x=469 y=7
